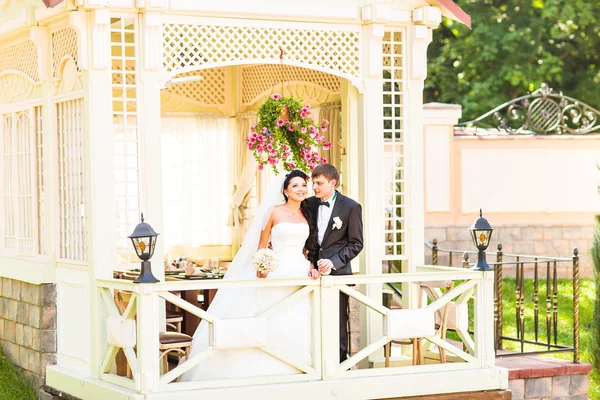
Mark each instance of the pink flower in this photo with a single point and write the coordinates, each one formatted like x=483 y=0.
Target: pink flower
x=303 y=114
x=272 y=160
x=273 y=154
x=312 y=135
x=261 y=167
x=291 y=128
x=261 y=139
x=327 y=146
x=252 y=139
x=311 y=167
x=300 y=141
x=249 y=146
x=286 y=154
x=280 y=122
x=263 y=130
x=254 y=135
x=307 y=156
x=307 y=106
x=291 y=166
x=284 y=146
x=259 y=148
x=271 y=139
x=316 y=156
x=296 y=123
x=303 y=130
x=270 y=147
x=276 y=96
x=324 y=161
x=325 y=122
x=323 y=128
x=311 y=128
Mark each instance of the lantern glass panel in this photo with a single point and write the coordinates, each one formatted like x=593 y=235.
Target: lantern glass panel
x=481 y=237
x=144 y=246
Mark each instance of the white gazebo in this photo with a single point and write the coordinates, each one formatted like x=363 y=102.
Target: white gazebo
x=109 y=108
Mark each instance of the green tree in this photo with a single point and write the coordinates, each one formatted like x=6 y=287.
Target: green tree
x=514 y=46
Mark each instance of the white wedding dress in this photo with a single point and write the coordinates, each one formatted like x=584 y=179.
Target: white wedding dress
x=288 y=330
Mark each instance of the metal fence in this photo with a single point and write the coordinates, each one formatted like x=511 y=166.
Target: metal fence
x=545 y=301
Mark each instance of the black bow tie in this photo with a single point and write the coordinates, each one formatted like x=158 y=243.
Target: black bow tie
x=324 y=203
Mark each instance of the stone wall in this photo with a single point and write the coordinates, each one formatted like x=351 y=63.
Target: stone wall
x=540 y=378
x=541 y=240
x=28 y=327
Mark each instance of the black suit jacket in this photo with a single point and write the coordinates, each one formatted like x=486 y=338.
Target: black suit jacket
x=339 y=245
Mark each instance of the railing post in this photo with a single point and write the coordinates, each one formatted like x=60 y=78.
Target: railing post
x=576 y=305
x=330 y=328
x=148 y=377
x=434 y=252
x=498 y=296
x=484 y=320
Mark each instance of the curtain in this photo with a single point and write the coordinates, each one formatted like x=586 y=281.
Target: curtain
x=245 y=171
x=197 y=180
x=333 y=113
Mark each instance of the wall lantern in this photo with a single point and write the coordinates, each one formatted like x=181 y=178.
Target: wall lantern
x=144 y=242
x=481 y=232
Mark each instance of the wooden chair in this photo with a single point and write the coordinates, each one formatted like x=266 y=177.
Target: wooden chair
x=175 y=343
x=428 y=289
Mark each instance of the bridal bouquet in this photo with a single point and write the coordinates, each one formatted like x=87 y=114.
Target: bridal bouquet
x=265 y=261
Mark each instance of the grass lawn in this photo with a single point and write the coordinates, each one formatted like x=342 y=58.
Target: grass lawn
x=13 y=385
x=565 y=320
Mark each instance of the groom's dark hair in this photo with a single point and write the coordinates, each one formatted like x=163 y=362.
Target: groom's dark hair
x=328 y=171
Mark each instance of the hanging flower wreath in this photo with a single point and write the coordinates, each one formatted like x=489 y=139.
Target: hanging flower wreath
x=285 y=133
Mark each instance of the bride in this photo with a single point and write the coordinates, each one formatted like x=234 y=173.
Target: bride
x=289 y=227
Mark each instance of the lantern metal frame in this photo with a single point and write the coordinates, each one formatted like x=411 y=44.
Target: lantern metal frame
x=481 y=224
x=144 y=230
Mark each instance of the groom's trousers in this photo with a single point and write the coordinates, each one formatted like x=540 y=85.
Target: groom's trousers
x=344 y=349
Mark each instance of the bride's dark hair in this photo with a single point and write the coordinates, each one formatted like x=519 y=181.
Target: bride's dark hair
x=311 y=243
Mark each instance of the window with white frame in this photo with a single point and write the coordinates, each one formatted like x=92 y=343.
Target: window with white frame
x=197 y=181
x=71 y=164
x=22 y=187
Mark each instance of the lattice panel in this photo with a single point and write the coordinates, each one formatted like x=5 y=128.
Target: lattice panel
x=71 y=162
x=393 y=135
x=186 y=46
x=210 y=90
x=19 y=184
x=8 y=181
x=125 y=127
x=256 y=79
x=64 y=44
x=20 y=57
x=41 y=197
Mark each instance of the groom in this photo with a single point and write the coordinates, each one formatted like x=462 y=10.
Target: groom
x=340 y=235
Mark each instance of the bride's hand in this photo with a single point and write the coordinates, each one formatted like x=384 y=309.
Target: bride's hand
x=261 y=275
x=314 y=274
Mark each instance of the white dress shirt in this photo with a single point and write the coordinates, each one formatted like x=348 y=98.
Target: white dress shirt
x=324 y=216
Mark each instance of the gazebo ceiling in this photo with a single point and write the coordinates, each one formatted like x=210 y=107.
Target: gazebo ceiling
x=213 y=87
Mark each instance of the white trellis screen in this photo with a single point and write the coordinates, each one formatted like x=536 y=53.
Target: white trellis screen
x=393 y=134
x=71 y=162
x=20 y=181
x=125 y=123
x=41 y=197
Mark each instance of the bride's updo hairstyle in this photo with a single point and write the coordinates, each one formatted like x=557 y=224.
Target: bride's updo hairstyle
x=311 y=243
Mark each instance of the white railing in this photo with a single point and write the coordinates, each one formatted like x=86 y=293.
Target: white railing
x=136 y=329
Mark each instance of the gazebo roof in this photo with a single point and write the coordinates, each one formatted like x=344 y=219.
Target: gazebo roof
x=451 y=10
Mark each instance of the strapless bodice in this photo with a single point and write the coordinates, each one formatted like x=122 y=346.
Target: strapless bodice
x=288 y=240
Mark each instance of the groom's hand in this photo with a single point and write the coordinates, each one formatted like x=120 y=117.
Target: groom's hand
x=325 y=266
